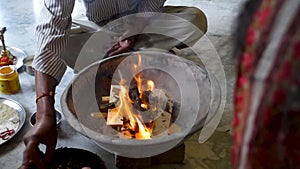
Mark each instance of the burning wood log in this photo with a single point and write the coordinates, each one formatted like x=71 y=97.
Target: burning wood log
x=140 y=101
x=161 y=124
x=105 y=106
x=105 y=98
x=99 y=114
x=114 y=93
x=158 y=101
x=113 y=118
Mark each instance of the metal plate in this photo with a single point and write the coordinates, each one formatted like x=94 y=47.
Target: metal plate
x=20 y=111
x=18 y=53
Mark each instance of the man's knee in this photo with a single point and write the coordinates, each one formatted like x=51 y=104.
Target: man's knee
x=200 y=19
x=191 y=14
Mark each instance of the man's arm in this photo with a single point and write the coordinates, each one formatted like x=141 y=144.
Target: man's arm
x=52 y=32
x=44 y=130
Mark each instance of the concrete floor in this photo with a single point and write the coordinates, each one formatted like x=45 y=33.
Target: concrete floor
x=215 y=152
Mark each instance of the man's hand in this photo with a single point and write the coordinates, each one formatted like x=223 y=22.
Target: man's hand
x=122 y=46
x=127 y=41
x=43 y=132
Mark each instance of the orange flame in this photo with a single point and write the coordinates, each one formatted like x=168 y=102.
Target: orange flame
x=150 y=85
x=144 y=132
x=125 y=108
x=139 y=81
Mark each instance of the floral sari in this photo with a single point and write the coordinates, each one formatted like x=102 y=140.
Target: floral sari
x=267 y=94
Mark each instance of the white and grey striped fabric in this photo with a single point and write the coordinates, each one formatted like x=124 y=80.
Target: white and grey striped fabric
x=55 y=22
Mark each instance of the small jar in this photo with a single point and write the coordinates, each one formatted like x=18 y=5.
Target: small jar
x=9 y=80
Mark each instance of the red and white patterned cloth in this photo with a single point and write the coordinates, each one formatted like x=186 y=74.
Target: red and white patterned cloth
x=267 y=94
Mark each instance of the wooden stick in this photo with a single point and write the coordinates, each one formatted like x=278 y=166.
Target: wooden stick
x=99 y=114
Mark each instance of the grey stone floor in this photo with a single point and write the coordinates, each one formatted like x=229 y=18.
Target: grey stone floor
x=215 y=152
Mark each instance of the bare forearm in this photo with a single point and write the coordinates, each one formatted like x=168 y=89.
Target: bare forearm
x=45 y=84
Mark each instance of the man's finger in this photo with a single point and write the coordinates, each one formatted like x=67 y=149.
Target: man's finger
x=38 y=163
x=49 y=153
x=115 y=47
x=117 y=51
x=33 y=159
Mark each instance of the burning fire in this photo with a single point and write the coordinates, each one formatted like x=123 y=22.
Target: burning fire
x=132 y=102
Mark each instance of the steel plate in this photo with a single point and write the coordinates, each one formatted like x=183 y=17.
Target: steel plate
x=20 y=111
x=18 y=53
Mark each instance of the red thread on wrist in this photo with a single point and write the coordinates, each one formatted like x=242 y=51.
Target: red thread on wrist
x=50 y=94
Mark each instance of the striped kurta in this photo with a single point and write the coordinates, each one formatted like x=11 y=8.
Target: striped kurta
x=55 y=22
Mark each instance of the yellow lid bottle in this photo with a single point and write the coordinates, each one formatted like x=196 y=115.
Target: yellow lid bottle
x=9 y=80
